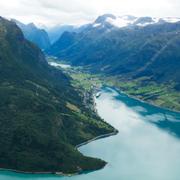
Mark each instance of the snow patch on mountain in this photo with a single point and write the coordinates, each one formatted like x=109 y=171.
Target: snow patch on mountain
x=121 y=21
x=127 y=20
x=170 y=19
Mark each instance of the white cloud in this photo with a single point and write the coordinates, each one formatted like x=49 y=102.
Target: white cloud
x=52 y=12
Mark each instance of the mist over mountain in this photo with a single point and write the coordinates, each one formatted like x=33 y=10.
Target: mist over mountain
x=34 y=34
x=56 y=32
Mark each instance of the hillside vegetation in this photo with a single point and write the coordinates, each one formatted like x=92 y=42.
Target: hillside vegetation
x=42 y=116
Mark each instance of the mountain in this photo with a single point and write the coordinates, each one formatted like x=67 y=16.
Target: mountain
x=142 y=48
x=56 y=32
x=107 y=26
x=42 y=117
x=130 y=21
x=136 y=50
x=66 y=39
x=34 y=34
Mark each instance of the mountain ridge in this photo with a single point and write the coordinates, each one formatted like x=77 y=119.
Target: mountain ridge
x=34 y=34
x=130 y=53
x=42 y=117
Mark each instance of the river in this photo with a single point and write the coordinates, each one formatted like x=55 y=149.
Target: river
x=140 y=151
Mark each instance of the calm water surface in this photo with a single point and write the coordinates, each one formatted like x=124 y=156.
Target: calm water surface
x=141 y=151
x=65 y=66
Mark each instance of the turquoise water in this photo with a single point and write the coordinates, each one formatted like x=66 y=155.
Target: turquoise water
x=140 y=151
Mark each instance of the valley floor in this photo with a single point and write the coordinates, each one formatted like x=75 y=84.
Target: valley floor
x=162 y=95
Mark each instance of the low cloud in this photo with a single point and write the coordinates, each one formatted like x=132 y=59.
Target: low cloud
x=51 y=12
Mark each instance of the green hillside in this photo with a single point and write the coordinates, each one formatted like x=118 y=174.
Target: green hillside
x=42 y=116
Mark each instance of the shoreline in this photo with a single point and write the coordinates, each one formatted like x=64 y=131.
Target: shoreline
x=96 y=138
x=131 y=96
x=38 y=173
x=25 y=172
x=76 y=147
x=143 y=101
x=61 y=173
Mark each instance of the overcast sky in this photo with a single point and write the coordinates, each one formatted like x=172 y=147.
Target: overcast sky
x=52 y=12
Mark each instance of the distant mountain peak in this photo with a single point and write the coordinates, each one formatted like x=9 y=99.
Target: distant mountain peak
x=113 y=21
x=144 y=20
x=34 y=34
x=129 y=20
x=103 y=18
x=32 y=25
